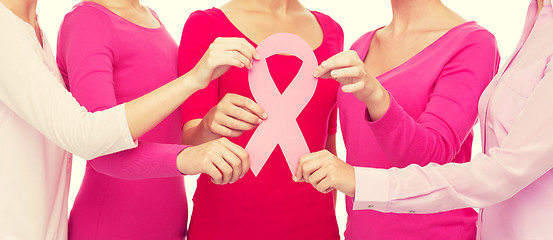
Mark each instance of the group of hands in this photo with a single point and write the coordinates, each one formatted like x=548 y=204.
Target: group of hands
x=226 y=162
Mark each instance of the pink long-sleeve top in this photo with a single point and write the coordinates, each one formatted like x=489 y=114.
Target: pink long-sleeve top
x=135 y=194
x=512 y=180
x=434 y=98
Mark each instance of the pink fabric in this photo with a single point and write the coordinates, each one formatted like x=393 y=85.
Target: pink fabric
x=139 y=193
x=512 y=181
x=271 y=205
x=430 y=119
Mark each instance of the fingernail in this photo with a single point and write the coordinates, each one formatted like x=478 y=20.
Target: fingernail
x=345 y=89
x=265 y=116
x=295 y=178
x=316 y=74
x=259 y=121
x=241 y=65
x=256 y=56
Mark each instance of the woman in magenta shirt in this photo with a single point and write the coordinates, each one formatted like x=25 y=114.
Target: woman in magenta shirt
x=106 y=60
x=430 y=67
x=269 y=206
x=511 y=181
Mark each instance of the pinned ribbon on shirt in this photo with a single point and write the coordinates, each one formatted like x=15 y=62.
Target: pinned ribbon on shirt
x=282 y=109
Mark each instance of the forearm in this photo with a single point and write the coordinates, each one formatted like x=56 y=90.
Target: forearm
x=149 y=160
x=146 y=112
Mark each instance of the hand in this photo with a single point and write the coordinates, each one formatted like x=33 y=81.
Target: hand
x=326 y=172
x=232 y=116
x=349 y=70
x=221 y=159
x=222 y=54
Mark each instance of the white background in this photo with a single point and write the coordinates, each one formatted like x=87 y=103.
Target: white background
x=504 y=18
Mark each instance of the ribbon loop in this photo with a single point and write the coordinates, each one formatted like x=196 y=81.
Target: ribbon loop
x=281 y=127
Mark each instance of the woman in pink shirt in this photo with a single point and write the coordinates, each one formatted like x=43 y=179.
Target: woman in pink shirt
x=511 y=181
x=41 y=124
x=268 y=206
x=111 y=52
x=430 y=67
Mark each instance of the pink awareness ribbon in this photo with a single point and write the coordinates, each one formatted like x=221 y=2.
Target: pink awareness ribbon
x=281 y=126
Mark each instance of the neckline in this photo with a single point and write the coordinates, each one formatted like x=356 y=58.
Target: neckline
x=323 y=42
x=105 y=9
x=418 y=54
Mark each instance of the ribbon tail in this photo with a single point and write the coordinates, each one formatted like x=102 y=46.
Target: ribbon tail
x=293 y=147
x=261 y=145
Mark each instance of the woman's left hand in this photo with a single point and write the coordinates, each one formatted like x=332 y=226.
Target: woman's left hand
x=326 y=172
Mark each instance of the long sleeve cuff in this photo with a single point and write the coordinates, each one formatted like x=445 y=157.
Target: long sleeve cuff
x=390 y=118
x=371 y=189
x=125 y=136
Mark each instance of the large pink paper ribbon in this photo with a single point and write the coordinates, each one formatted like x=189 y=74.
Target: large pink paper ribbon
x=281 y=127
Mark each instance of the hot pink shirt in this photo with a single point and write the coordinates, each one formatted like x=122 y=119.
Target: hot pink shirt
x=135 y=194
x=271 y=205
x=512 y=181
x=433 y=109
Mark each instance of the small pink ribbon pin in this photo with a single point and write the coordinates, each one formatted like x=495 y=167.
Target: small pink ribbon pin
x=281 y=126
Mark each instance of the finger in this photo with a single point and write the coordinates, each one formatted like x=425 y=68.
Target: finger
x=341 y=60
x=240 y=153
x=241 y=114
x=213 y=172
x=224 y=131
x=325 y=186
x=317 y=176
x=310 y=167
x=249 y=105
x=235 y=124
x=224 y=168
x=298 y=177
x=242 y=46
x=247 y=62
x=353 y=87
x=349 y=72
x=234 y=162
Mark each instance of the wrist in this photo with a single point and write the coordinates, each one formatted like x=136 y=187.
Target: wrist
x=190 y=82
x=378 y=103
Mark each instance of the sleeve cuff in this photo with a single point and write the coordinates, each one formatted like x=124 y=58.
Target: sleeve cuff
x=125 y=137
x=371 y=189
x=389 y=121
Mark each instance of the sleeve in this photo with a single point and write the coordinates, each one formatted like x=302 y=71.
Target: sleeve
x=439 y=132
x=520 y=159
x=333 y=121
x=195 y=41
x=36 y=95
x=88 y=42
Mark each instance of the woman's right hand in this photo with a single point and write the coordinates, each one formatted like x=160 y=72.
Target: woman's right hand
x=233 y=115
x=221 y=159
x=222 y=54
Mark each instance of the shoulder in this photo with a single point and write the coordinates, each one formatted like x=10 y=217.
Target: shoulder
x=472 y=34
x=328 y=24
x=206 y=17
x=363 y=41
x=87 y=13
